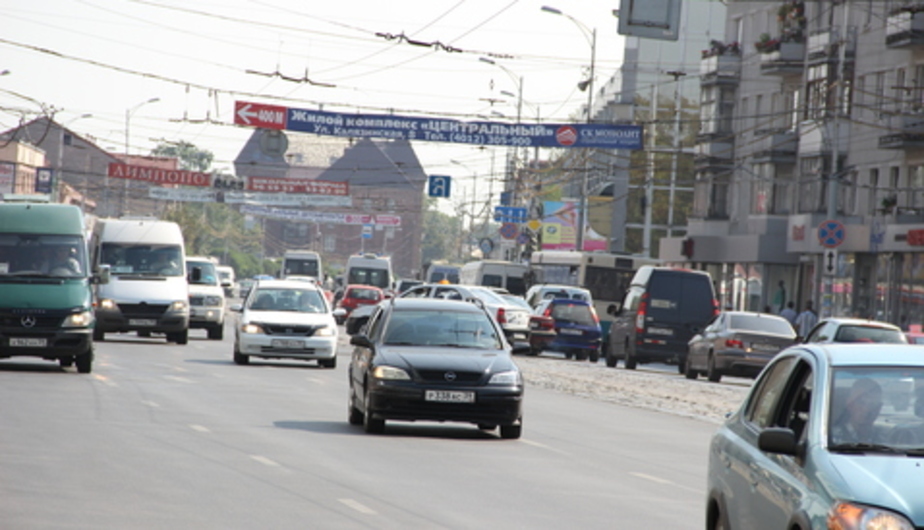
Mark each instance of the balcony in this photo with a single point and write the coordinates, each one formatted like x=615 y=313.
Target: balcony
x=816 y=137
x=787 y=59
x=776 y=146
x=720 y=70
x=908 y=132
x=713 y=152
x=905 y=28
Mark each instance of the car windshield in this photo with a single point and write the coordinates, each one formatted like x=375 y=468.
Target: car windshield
x=850 y=333
x=762 y=323
x=148 y=260
x=877 y=409
x=42 y=255
x=285 y=299
x=573 y=314
x=462 y=329
x=209 y=276
x=363 y=294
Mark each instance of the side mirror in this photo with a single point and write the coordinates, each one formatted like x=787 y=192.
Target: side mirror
x=361 y=340
x=340 y=312
x=237 y=308
x=103 y=275
x=779 y=440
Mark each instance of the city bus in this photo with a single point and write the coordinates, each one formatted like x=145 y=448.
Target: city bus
x=605 y=275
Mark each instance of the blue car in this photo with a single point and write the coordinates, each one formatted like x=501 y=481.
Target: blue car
x=568 y=326
x=830 y=436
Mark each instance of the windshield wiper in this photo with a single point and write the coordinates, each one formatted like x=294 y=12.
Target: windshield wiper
x=864 y=447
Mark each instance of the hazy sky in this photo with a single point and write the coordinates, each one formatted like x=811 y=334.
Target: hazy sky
x=108 y=57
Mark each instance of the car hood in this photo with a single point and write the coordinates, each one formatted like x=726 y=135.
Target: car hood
x=289 y=317
x=458 y=359
x=890 y=481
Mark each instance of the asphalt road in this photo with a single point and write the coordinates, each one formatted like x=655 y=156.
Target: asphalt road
x=166 y=436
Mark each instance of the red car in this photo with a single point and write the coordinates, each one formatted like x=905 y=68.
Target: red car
x=357 y=295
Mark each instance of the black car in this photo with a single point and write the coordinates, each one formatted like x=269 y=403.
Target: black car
x=434 y=360
x=662 y=310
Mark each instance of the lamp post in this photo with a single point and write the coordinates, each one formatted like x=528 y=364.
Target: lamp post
x=588 y=86
x=128 y=118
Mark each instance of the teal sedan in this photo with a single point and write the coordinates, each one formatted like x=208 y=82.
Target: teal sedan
x=830 y=436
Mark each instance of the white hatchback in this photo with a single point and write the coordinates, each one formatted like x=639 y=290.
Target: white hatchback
x=285 y=319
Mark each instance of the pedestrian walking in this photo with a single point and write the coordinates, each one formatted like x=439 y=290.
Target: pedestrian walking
x=789 y=313
x=806 y=320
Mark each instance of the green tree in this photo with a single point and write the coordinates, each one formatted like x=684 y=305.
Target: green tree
x=191 y=157
x=441 y=234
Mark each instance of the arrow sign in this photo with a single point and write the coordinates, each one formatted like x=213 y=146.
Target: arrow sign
x=829 y=265
x=259 y=115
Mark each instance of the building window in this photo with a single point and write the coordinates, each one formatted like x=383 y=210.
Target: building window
x=818 y=94
x=901 y=91
x=782 y=193
x=811 y=184
x=847 y=193
x=330 y=243
x=762 y=189
x=879 y=94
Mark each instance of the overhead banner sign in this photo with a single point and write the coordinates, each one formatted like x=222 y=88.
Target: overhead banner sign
x=324 y=123
x=321 y=217
x=290 y=185
x=239 y=197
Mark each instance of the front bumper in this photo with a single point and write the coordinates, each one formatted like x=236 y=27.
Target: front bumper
x=45 y=343
x=492 y=406
x=115 y=320
x=205 y=317
x=281 y=347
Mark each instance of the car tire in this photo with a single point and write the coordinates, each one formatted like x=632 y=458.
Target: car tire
x=99 y=335
x=689 y=372
x=682 y=365
x=240 y=358
x=66 y=362
x=511 y=432
x=594 y=356
x=630 y=360
x=580 y=355
x=355 y=416
x=84 y=362
x=611 y=359
x=327 y=363
x=370 y=424
x=713 y=373
x=217 y=332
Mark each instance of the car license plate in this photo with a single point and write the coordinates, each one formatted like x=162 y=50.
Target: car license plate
x=28 y=343
x=449 y=396
x=287 y=343
x=569 y=331
x=147 y=322
x=764 y=347
x=660 y=331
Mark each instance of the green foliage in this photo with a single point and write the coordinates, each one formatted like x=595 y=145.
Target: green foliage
x=191 y=157
x=441 y=235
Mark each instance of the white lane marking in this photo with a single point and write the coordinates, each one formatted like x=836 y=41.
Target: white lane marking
x=151 y=404
x=178 y=379
x=651 y=478
x=358 y=506
x=543 y=446
x=199 y=428
x=105 y=380
x=265 y=461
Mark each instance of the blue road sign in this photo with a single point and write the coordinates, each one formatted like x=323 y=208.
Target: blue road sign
x=506 y=198
x=831 y=233
x=439 y=186
x=509 y=214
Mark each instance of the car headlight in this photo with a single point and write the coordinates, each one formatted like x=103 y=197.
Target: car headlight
x=326 y=331
x=851 y=516
x=79 y=320
x=179 y=305
x=508 y=378
x=107 y=303
x=390 y=373
x=212 y=301
x=251 y=328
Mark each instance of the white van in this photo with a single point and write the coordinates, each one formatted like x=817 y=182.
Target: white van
x=495 y=273
x=206 y=296
x=147 y=291
x=302 y=263
x=369 y=269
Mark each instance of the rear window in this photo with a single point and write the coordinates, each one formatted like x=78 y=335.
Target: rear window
x=868 y=334
x=573 y=314
x=364 y=294
x=763 y=324
x=676 y=296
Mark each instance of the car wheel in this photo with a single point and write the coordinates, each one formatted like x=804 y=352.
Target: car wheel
x=511 y=432
x=355 y=416
x=594 y=356
x=66 y=361
x=372 y=425
x=611 y=359
x=690 y=373
x=217 y=332
x=568 y=355
x=682 y=364
x=535 y=351
x=240 y=358
x=99 y=335
x=84 y=362
x=713 y=373
x=630 y=360
x=580 y=355
x=327 y=363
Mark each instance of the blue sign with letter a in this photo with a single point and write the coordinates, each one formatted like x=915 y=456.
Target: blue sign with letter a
x=439 y=186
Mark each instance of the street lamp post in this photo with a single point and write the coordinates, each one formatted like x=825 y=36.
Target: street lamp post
x=588 y=85
x=128 y=118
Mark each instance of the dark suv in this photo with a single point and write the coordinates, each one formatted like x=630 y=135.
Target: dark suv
x=662 y=310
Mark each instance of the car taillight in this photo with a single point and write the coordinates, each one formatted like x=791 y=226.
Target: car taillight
x=734 y=343
x=715 y=307
x=593 y=313
x=547 y=312
x=640 y=316
x=501 y=316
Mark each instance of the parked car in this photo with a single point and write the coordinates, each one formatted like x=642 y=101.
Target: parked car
x=355 y=296
x=839 y=329
x=568 y=326
x=434 y=360
x=513 y=318
x=662 y=310
x=819 y=442
x=285 y=320
x=538 y=293
x=737 y=343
